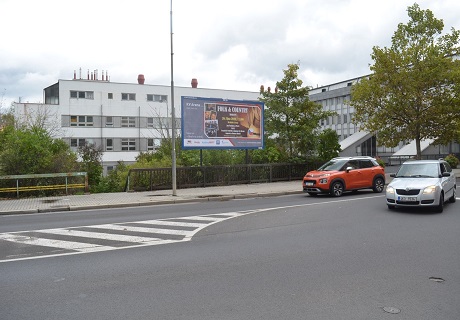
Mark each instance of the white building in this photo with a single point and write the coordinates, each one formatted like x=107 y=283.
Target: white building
x=122 y=118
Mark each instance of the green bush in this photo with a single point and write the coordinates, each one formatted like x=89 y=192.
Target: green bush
x=380 y=162
x=452 y=160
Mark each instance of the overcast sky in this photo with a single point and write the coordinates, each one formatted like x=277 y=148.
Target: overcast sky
x=235 y=45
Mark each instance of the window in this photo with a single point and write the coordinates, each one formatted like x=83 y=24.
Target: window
x=354 y=164
x=366 y=164
x=109 y=121
x=128 y=122
x=157 y=98
x=150 y=145
x=128 y=96
x=81 y=121
x=345 y=118
x=445 y=167
x=109 y=145
x=110 y=96
x=161 y=98
x=128 y=144
x=82 y=94
x=75 y=143
x=150 y=122
x=52 y=94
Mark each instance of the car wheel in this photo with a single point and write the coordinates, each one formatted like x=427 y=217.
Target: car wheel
x=454 y=195
x=390 y=207
x=337 y=188
x=379 y=185
x=440 y=207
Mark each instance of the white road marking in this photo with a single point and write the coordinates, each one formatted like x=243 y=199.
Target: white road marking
x=118 y=227
x=98 y=235
x=80 y=247
x=137 y=241
x=171 y=223
x=61 y=244
x=198 y=218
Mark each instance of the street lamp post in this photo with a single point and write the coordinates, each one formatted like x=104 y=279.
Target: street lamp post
x=173 y=115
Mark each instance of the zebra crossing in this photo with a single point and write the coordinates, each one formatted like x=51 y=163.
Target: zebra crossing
x=24 y=245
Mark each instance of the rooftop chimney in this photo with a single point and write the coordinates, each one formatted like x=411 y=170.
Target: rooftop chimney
x=140 y=79
x=194 y=83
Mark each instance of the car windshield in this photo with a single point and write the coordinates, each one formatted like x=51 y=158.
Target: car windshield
x=332 y=165
x=418 y=170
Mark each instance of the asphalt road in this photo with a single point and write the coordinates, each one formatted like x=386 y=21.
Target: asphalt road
x=287 y=257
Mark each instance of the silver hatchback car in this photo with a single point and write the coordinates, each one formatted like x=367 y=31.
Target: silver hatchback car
x=422 y=183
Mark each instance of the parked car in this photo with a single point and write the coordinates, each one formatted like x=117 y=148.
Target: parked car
x=422 y=183
x=345 y=174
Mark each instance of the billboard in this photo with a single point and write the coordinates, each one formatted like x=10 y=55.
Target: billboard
x=209 y=123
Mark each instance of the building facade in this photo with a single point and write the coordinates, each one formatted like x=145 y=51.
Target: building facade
x=355 y=142
x=122 y=119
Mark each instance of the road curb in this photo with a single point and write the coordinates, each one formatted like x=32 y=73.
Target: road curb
x=205 y=198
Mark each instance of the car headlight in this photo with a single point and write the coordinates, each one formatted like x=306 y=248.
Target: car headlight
x=390 y=190
x=429 y=190
x=324 y=180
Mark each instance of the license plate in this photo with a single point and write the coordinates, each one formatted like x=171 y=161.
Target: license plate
x=308 y=184
x=408 y=199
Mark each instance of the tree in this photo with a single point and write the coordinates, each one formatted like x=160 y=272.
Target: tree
x=329 y=146
x=91 y=162
x=33 y=151
x=291 y=119
x=413 y=92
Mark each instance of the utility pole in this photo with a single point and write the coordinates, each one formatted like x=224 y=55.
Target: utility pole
x=173 y=115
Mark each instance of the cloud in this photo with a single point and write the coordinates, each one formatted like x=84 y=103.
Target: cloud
x=235 y=45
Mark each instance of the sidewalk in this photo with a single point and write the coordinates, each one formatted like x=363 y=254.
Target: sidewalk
x=147 y=198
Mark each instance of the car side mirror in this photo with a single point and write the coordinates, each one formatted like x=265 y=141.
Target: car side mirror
x=348 y=169
x=392 y=175
x=446 y=174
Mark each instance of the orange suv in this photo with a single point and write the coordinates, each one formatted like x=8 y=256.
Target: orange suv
x=345 y=174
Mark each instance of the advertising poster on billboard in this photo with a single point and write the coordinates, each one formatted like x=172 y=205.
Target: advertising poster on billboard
x=209 y=123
